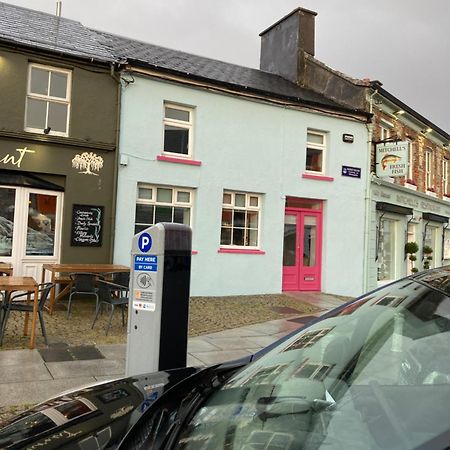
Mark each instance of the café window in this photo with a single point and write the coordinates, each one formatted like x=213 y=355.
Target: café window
x=178 y=130
x=240 y=219
x=316 y=151
x=47 y=108
x=156 y=204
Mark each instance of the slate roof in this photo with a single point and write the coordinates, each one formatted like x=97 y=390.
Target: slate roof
x=48 y=32
x=68 y=37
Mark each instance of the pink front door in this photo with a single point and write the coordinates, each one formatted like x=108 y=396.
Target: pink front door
x=302 y=250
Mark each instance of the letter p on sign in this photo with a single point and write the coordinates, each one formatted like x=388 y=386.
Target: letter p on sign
x=145 y=242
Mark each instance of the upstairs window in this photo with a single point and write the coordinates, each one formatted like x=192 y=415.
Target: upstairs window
x=315 y=152
x=240 y=219
x=177 y=130
x=410 y=160
x=445 y=176
x=428 y=169
x=162 y=204
x=48 y=100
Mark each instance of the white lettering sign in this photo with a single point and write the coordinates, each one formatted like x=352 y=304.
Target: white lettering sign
x=16 y=160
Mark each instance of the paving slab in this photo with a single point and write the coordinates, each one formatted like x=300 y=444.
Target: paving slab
x=201 y=344
x=24 y=372
x=32 y=392
x=113 y=351
x=88 y=368
x=19 y=357
x=208 y=358
x=232 y=343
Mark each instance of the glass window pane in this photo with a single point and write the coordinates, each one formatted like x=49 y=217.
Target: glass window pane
x=252 y=219
x=183 y=197
x=181 y=215
x=314 y=159
x=252 y=238
x=139 y=228
x=58 y=84
x=39 y=81
x=254 y=201
x=239 y=200
x=164 y=195
x=225 y=236
x=7 y=204
x=239 y=218
x=227 y=199
x=57 y=116
x=386 y=257
x=309 y=241
x=315 y=138
x=36 y=113
x=227 y=217
x=144 y=214
x=238 y=236
x=163 y=214
x=41 y=225
x=145 y=193
x=177 y=114
x=176 y=140
x=290 y=241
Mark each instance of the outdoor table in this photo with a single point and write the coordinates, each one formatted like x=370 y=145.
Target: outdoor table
x=55 y=269
x=27 y=284
x=6 y=268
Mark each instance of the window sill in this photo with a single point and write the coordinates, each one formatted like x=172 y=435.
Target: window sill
x=413 y=187
x=432 y=194
x=172 y=159
x=194 y=252
x=242 y=251
x=310 y=176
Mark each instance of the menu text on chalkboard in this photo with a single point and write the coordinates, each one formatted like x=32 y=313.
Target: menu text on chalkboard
x=87 y=226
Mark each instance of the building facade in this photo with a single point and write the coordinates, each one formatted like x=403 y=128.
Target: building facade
x=58 y=117
x=410 y=208
x=266 y=178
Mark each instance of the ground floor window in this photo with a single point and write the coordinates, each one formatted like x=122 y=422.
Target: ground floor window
x=156 y=204
x=240 y=219
x=387 y=250
x=431 y=241
x=411 y=236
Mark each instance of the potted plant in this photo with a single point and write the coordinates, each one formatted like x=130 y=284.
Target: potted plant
x=427 y=251
x=411 y=248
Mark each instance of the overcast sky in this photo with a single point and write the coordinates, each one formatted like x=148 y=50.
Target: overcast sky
x=403 y=43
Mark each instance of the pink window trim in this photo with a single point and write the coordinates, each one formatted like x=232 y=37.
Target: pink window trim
x=172 y=159
x=194 y=252
x=310 y=176
x=243 y=251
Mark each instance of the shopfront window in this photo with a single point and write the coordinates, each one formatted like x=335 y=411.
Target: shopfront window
x=7 y=205
x=431 y=234
x=411 y=237
x=387 y=250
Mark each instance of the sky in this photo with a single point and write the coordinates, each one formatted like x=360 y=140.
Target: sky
x=405 y=44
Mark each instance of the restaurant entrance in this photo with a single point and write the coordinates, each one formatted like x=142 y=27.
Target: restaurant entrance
x=302 y=245
x=30 y=228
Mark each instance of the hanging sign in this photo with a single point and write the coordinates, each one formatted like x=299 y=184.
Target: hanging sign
x=392 y=159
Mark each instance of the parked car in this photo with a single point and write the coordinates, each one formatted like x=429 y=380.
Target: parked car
x=372 y=374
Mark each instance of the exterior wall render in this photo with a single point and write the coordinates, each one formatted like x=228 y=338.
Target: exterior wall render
x=251 y=147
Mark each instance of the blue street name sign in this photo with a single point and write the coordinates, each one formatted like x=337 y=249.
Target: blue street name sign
x=353 y=172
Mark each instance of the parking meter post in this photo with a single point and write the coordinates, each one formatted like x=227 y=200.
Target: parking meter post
x=159 y=299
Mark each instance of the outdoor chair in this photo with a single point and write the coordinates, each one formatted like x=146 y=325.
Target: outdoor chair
x=83 y=284
x=121 y=278
x=19 y=302
x=114 y=295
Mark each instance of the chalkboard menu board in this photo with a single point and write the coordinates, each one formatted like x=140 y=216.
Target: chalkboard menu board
x=87 y=226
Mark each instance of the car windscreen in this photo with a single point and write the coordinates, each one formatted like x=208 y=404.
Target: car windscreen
x=375 y=375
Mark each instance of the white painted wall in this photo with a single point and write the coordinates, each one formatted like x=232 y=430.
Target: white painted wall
x=244 y=146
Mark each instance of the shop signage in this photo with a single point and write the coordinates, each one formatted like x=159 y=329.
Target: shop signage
x=15 y=160
x=87 y=224
x=353 y=172
x=87 y=163
x=392 y=159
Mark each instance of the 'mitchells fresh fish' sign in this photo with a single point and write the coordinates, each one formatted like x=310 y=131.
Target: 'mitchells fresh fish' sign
x=392 y=159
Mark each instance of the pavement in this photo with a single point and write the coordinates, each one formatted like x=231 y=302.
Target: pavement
x=30 y=376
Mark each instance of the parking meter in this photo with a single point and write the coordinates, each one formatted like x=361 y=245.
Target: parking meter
x=158 y=313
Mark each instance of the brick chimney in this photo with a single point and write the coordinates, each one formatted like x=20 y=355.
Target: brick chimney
x=283 y=44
